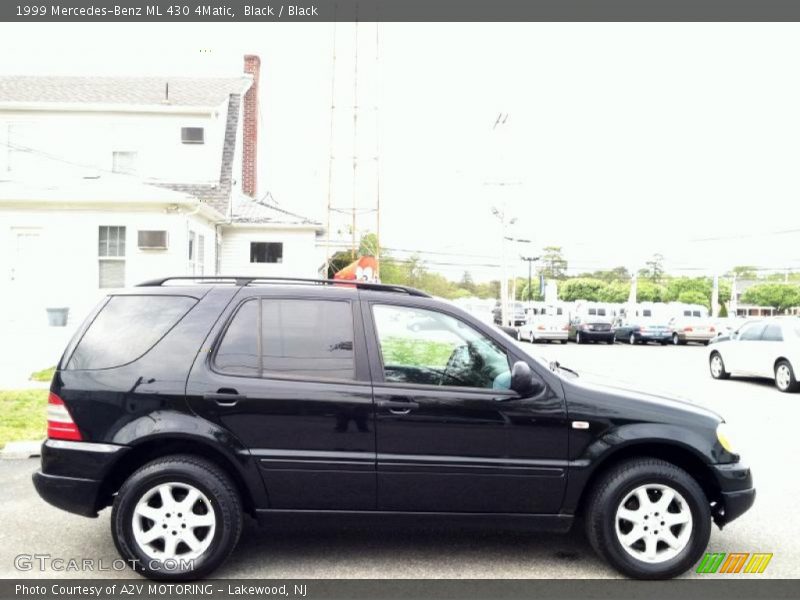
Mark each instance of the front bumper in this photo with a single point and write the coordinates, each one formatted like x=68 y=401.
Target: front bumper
x=737 y=492
x=72 y=474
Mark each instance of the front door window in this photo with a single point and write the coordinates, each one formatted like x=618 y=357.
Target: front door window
x=431 y=348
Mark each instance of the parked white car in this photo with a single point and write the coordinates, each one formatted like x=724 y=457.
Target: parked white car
x=545 y=328
x=767 y=348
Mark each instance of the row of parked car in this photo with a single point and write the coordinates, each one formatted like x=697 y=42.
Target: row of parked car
x=584 y=329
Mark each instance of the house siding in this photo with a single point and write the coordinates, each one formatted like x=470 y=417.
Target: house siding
x=60 y=265
x=299 y=253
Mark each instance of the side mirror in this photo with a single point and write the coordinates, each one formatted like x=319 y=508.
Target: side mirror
x=522 y=380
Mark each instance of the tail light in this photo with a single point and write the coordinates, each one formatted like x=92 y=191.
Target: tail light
x=687 y=328
x=60 y=425
x=540 y=328
x=566 y=327
x=711 y=329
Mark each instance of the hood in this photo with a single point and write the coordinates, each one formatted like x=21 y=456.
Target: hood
x=621 y=403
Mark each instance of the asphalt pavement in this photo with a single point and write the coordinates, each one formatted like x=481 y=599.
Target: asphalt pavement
x=764 y=422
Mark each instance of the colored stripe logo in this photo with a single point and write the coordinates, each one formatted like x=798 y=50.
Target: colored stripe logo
x=734 y=562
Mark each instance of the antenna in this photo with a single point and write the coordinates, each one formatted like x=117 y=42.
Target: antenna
x=339 y=210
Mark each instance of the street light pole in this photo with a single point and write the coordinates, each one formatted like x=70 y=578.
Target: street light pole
x=530 y=260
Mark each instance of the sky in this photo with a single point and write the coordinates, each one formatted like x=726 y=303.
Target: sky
x=617 y=141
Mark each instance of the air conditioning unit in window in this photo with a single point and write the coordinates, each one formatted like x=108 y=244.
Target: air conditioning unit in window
x=152 y=240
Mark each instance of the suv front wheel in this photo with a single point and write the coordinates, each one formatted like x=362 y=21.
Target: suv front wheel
x=177 y=517
x=648 y=518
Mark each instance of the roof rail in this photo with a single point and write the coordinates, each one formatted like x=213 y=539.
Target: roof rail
x=246 y=281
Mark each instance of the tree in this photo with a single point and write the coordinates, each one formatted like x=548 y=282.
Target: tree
x=744 y=272
x=581 y=288
x=467 y=283
x=694 y=297
x=610 y=275
x=616 y=291
x=780 y=296
x=369 y=245
x=647 y=291
x=655 y=268
x=553 y=263
x=533 y=294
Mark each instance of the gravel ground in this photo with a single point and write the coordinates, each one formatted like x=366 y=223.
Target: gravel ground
x=762 y=417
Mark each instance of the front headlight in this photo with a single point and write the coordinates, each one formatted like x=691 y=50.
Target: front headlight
x=723 y=436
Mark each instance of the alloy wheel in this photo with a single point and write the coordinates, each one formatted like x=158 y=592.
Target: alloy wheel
x=716 y=366
x=632 y=339
x=783 y=377
x=174 y=521
x=653 y=523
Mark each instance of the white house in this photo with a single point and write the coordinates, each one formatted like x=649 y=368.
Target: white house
x=109 y=181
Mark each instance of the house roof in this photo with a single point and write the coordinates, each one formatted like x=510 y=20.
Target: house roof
x=247 y=210
x=139 y=91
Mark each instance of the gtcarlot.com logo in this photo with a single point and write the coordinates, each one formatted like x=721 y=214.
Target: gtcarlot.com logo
x=734 y=562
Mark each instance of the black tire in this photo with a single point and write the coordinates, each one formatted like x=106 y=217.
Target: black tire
x=792 y=385
x=612 y=488
x=676 y=340
x=611 y=341
x=664 y=342
x=204 y=476
x=722 y=374
x=564 y=341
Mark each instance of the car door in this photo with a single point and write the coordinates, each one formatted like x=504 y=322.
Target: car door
x=451 y=436
x=287 y=375
x=771 y=345
x=743 y=355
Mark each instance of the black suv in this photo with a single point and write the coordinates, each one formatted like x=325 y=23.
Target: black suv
x=186 y=404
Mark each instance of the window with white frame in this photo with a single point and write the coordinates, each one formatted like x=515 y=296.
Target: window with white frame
x=111 y=256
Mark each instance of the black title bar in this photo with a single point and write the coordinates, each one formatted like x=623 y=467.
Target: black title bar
x=104 y=11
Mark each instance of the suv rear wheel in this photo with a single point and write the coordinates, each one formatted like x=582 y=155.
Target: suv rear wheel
x=648 y=518
x=177 y=517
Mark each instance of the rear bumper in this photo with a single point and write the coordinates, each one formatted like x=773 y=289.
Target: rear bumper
x=598 y=335
x=737 y=492
x=549 y=335
x=79 y=496
x=694 y=336
x=654 y=337
x=72 y=474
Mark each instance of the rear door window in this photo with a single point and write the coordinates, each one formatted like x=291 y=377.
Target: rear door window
x=126 y=328
x=752 y=332
x=772 y=333
x=274 y=337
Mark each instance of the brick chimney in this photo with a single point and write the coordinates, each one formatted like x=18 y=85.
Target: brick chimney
x=252 y=66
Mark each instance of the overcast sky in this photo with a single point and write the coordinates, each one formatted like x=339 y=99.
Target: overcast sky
x=621 y=139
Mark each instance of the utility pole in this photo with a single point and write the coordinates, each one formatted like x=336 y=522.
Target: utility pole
x=530 y=260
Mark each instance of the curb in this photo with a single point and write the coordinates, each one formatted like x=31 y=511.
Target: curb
x=21 y=450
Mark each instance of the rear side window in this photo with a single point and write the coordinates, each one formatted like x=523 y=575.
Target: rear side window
x=289 y=337
x=126 y=328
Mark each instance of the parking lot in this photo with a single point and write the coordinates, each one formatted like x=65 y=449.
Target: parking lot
x=763 y=419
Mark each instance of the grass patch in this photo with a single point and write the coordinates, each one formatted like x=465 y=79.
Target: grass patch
x=23 y=415
x=415 y=353
x=45 y=375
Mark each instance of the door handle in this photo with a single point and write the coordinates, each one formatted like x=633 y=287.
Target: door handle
x=398 y=407
x=225 y=397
